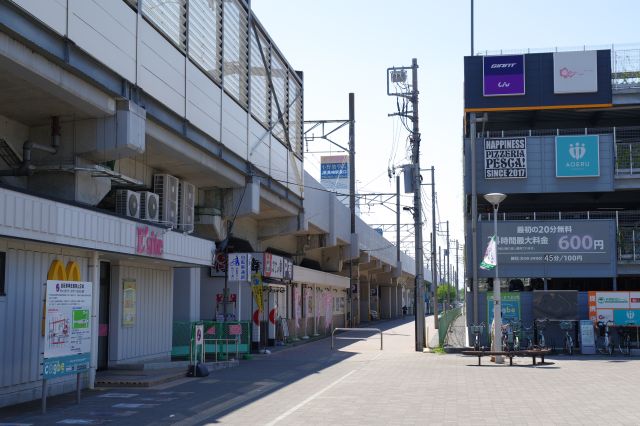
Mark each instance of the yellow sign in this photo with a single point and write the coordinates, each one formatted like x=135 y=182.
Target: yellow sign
x=57 y=272
x=256 y=288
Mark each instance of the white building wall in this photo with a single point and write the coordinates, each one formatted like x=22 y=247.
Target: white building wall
x=22 y=342
x=108 y=30
x=150 y=336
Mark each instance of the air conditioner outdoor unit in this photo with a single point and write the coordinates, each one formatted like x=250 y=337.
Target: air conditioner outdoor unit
x=149 y=206
x=127 y=203
x=166 y=186
x=186 y=206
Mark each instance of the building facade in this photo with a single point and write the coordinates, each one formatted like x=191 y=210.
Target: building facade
x=139 y=142
x=556 y=133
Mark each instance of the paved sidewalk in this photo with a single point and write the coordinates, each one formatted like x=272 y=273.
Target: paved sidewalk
x=359 y=384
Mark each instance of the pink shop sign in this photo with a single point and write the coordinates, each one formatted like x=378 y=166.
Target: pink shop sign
x=149 y=241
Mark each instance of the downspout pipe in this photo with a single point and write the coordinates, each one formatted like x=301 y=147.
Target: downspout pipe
x=26 y=168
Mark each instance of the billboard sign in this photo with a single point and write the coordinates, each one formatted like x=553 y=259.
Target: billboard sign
x=503 y=75
x=575 y=72
x=510 y=306
x=505 y=158
x=334 y=175
x=578 y=156
x=621 y=307
x=552 y=248
x=334 y=167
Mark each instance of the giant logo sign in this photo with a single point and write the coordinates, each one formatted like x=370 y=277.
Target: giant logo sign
x=503 y=75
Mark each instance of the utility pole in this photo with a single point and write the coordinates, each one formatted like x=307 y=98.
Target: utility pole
x=354 y=264
x=433 y=248
x=457 y=269
x=399 y=75
x=417 y=207
x=448 y=266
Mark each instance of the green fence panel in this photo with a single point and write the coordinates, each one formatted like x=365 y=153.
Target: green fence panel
x=445 y=321
x=184 y=332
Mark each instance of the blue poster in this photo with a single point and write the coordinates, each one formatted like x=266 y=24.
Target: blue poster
x=577 y=156
x=510 y=303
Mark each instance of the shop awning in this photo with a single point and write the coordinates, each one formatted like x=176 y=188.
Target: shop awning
x=312 y=276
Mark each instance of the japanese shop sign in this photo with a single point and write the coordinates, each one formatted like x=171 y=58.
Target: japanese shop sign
x=239 y=267
x=149 y=241
x=505 y=158
x=621 y=307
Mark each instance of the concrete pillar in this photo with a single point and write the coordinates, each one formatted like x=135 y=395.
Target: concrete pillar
x=186 y=294
x=364 y=299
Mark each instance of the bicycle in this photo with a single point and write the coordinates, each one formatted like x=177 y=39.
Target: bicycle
x=477 y=329
x=516 y=327
x=607 y=344
x=527 y=337
x=624 y=341
x=510 y=339
x=506 y=337
x=567 y=326
x=541 y=325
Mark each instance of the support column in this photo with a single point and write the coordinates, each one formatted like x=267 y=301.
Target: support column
x=94 y=270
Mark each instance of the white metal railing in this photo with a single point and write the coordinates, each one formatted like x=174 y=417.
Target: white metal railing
x=193 y=350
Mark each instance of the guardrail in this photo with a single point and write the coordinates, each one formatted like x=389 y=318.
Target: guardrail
x=354 y=329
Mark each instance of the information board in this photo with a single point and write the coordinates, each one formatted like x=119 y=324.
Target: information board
x=587 y=338
x=67 y=341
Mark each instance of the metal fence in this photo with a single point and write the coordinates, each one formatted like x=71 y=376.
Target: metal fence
x=218 y=337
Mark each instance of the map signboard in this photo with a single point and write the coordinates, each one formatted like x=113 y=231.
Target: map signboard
x=67 y=342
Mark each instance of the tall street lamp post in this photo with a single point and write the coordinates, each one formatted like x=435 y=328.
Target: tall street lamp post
x=495 y=198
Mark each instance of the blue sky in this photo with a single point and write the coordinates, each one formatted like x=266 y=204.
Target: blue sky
x=346 y=46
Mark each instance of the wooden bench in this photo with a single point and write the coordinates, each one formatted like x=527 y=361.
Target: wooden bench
x=533 y=353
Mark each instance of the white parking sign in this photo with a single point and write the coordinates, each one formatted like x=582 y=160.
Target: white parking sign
x=199 y=334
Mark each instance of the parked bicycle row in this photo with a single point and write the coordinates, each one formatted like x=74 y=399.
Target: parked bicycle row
x=609 y=338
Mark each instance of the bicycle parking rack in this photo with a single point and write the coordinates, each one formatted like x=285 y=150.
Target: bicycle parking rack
x=354 y=329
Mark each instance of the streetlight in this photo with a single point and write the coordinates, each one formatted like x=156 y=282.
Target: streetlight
x=495 y=198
